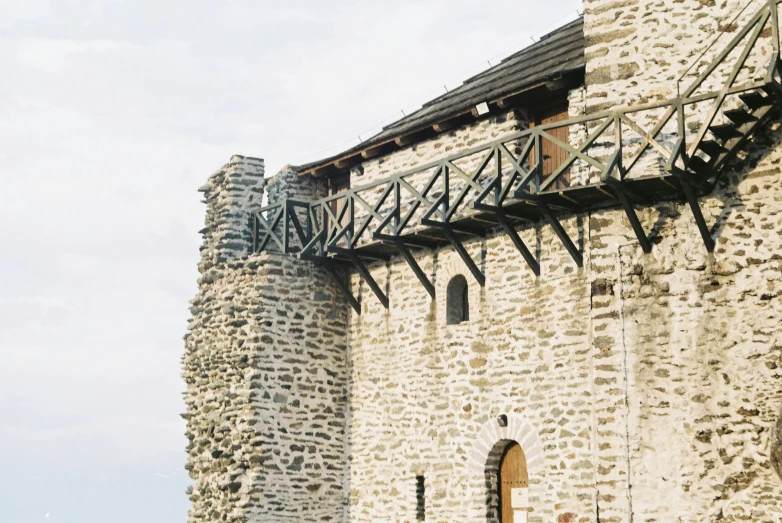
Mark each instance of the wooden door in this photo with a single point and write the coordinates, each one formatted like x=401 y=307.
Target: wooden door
x=337 y=184
x=512 y=475
x=554 y=155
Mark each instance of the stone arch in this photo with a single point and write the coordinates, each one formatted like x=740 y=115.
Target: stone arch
x=488 y=447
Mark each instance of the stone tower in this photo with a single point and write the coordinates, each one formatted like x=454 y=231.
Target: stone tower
x=265 y=367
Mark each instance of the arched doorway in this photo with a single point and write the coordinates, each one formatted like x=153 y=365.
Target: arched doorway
x=513 y=485
x=495 y=437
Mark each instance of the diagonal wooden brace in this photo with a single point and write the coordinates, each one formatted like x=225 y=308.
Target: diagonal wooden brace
x=344 y=286
x=629 y=210
x=692 y=200
x=463 y=254
x=560 y=232
x=638 y=229
x=419 y=273
x=364 y=272
x=518 y=242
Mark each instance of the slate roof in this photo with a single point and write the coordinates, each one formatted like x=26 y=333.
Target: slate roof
x=558 y=52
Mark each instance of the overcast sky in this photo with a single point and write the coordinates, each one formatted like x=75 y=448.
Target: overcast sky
x=112 y=114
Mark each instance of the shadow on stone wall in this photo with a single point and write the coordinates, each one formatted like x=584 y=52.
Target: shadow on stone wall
x=726 y=190
x=764 y=143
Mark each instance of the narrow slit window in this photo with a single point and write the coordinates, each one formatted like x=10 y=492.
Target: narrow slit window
x=420 y=499
x=458 y=302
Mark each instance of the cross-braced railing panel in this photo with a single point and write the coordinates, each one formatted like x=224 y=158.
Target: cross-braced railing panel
x=682 y=141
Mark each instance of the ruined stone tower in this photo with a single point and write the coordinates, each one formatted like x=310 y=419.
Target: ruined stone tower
x=265 y=365
x=551 y=295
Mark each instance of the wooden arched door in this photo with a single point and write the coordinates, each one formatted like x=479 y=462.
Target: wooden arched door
x=513 y=483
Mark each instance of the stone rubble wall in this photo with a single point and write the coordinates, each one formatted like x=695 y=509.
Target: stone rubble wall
x=637 y=49
x=265 y=367
x=647 y=377
x=704 y=355
x=230 y=194
x=641 y=387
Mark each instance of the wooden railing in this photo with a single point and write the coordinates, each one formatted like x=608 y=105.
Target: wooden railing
x=677 y=137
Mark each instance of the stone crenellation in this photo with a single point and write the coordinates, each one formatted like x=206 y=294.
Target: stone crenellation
x=641 y=387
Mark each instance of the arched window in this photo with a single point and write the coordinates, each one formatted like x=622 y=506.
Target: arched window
x=457 y=307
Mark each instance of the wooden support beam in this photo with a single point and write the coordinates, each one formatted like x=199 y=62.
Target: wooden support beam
x=464 y=255
x=419 y=273
x=414 y=136
x=466 y=229
x=348 y=162
x=344 y=286
x=692 y=200
x=446 y=125
x=557 y=84
x=564 y=205
x=410 y=241
x=560 y=232
x=405 y=140
x=519 y=243
x=324 y=170
x=616 y=185
x=516 y=99
x=615 y=182
x=377 y=150
x=364 y=272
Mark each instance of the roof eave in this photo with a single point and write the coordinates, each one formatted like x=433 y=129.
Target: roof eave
x=371 y=149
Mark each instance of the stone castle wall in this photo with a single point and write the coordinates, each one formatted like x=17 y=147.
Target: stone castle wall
x=644 y=377
x=651 y=382
x=636 y=50
x=641 y=387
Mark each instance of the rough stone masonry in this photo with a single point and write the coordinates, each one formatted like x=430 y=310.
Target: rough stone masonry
x=641 y=387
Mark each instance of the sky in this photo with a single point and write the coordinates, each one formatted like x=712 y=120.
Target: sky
x=112 y=114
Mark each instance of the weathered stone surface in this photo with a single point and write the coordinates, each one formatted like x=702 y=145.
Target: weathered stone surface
x=642 y=387
x=266 y=371
x=230 y=193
